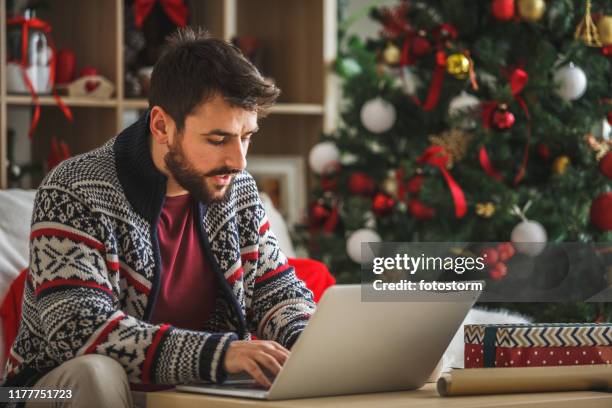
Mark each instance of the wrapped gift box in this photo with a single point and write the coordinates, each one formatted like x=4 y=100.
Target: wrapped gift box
x=536 y=345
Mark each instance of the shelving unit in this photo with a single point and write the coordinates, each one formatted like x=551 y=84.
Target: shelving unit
x=299 y=40
x=25 y=100
x=286 y=108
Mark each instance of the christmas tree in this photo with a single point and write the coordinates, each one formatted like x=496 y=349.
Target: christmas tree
x=480 y=121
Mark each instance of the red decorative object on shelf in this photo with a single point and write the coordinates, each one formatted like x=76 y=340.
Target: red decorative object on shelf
x=65 y=67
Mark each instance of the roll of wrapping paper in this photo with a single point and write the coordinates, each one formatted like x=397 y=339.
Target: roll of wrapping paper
x=477 y=381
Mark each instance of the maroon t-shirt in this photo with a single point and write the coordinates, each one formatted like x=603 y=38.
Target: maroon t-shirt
x=187 y=286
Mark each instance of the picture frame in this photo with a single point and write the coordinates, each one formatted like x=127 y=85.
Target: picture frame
x=283 y=179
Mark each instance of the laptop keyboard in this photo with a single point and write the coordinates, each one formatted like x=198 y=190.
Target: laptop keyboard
x=245 y=385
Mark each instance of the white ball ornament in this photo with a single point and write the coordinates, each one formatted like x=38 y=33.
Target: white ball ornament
x=353 y=244
x=529 y=237
x=572 y=82
x=323 y=157
x=462 y=105
x=378 y=115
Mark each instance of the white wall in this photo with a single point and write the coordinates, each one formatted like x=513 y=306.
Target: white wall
x=364 y=27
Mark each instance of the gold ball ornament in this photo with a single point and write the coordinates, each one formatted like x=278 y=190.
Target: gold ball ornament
x=392 y=54
x=458 y=65
x=485 y=210
x=390 y=186
x=531 y=10
x=604 y=27
x=560 y=164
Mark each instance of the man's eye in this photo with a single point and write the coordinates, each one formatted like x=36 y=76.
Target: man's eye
x=216 y=141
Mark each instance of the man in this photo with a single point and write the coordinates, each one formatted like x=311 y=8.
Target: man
x=151 y=258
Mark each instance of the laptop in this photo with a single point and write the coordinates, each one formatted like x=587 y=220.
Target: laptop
x=353 y=347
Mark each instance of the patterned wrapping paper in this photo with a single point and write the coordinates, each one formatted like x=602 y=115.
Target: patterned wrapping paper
x=537 y=345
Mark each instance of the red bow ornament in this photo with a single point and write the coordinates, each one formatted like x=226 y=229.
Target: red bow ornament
x=518 y=81
x=176 y=10
x=442 y=34
x=436 y=156
x=28 y=24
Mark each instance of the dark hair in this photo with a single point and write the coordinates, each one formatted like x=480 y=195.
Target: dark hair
x=194 y=67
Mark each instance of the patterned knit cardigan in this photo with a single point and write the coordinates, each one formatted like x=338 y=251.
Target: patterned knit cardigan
x=95 y=269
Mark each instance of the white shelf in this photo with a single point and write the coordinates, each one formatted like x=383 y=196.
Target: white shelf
x=279 y=108
x=26 y=100
x=298 y=108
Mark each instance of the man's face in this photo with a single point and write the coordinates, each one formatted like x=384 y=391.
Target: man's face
x=211 y=150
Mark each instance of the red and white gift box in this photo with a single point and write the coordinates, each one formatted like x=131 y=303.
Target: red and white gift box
x=537 y=345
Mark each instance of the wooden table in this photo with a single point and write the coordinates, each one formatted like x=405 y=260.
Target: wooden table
x=426 y=397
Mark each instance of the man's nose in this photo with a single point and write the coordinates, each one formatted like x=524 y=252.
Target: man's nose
x=236 y=154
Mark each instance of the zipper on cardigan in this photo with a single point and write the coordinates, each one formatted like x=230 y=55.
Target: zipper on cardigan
x=158 y=265
x=229 y=293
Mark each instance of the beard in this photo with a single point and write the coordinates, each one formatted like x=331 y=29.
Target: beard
x=192 y=180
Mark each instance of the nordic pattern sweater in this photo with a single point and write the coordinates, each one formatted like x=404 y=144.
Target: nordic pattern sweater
x=95 y=268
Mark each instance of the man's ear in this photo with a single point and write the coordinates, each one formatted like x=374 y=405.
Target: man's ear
x=159 y=125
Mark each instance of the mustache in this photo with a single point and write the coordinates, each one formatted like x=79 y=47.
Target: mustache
x=222 y=171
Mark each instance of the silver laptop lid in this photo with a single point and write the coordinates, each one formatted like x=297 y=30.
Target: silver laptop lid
x=350 y=346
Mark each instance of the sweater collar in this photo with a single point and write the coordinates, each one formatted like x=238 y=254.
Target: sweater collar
x=143 y=184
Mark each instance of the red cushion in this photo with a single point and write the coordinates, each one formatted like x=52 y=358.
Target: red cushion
x=10 y=311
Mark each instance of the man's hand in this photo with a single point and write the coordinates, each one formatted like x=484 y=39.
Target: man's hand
x=251 y=356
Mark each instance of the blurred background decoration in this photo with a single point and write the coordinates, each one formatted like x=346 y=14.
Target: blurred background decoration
x=470 y=121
